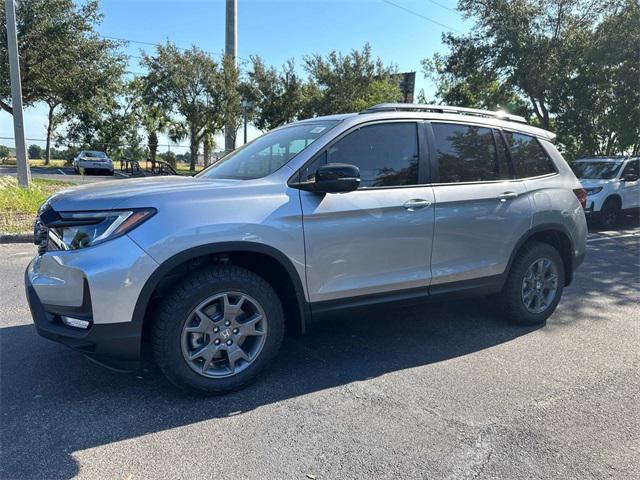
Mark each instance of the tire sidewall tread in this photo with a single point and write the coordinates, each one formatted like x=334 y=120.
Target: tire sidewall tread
x=174 y=309
x=510 y=298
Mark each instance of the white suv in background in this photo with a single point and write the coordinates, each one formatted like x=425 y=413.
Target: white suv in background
x=611 y=184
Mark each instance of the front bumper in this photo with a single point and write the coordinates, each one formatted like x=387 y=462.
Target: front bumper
x=99 y=284
x=114 y=345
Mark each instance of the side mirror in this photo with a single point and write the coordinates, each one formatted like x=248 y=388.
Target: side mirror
x=630 y=177
x=333 y=178
x=336 y=178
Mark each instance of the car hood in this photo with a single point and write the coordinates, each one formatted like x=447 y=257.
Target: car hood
x=594 y=182
x=133 y=192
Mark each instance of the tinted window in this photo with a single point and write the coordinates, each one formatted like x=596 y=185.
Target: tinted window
x=94 y=154
x=632 y=168
x=528 y=156
x=504 y=164
x=465 y=153
x=596 y=170
x=386 y=154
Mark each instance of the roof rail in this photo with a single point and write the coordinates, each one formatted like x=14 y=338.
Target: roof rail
x=417 y=107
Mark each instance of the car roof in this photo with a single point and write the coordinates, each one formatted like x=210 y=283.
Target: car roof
x=445 y=114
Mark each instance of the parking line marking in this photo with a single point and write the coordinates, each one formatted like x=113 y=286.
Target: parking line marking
x=61 y=172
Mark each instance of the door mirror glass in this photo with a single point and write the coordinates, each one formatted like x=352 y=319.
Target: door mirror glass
x=335 y=178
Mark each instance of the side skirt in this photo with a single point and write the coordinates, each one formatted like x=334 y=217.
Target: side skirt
x=416 y=296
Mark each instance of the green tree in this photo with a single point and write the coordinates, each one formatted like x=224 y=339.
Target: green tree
x=378 y=91
x=598 y=104
x=35 y=151
x=572 y=66
x=342 y=83
x=150 y=114
x=63 y=61
x=517 y=52
x=278 y=97
x=4 y=151
x=462 y=78
x=106 y=122
x=188 y=82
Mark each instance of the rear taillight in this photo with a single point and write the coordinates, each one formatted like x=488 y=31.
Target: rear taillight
x=581 y=194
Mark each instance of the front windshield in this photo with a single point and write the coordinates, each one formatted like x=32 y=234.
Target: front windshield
x=268 y=153
x=596 y=170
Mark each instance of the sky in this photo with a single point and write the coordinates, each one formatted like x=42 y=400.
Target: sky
x=400 y=32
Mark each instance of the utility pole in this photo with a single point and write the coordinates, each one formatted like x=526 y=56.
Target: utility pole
x=22 y=165
x=230 y=50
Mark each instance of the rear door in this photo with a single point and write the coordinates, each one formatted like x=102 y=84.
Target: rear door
x=481 y=210
x=377 y=239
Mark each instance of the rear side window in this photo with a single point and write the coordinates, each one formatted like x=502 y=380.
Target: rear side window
x=386 y=154
x=466 y=153
x=528 y=156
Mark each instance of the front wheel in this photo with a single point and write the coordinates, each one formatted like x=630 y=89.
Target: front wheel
x=609 y=214
x=218 y=330
x=534 y=286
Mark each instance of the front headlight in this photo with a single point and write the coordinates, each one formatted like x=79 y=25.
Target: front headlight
x=75 y=230
x=593 y=191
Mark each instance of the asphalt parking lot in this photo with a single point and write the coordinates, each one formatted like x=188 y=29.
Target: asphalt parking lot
x=446 y=391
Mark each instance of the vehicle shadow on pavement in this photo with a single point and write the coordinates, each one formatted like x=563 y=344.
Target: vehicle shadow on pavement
x=55 y=403
x=628 y=220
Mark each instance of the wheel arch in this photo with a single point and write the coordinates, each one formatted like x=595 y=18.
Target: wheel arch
x=613 y=197
x=554 y=234
x=266 y=261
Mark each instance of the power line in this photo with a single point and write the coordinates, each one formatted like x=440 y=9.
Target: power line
x=151 y=44
x=422 y=16
x=443 y=6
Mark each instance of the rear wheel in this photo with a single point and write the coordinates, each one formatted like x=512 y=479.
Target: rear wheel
x=218 y=330
x=610 y=213
x=534 y=286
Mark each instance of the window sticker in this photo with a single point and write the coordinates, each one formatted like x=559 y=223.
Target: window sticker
x=317 y=129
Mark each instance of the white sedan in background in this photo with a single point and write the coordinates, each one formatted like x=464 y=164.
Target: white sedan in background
x=93 y=160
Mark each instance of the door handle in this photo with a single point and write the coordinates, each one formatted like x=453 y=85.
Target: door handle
x=507 y=196
x=416 y=204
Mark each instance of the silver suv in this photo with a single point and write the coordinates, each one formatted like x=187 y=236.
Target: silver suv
x=394 y=204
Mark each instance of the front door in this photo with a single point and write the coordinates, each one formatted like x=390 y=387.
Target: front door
x=376 y=239
x=630 y=188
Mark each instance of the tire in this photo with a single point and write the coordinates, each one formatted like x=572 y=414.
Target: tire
x=609 y=213
x=226 y=284
x=512 y=298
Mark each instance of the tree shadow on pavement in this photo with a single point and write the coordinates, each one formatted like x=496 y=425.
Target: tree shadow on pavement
x=55 y=403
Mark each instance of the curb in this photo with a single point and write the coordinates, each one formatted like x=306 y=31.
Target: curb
x=16 y=237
